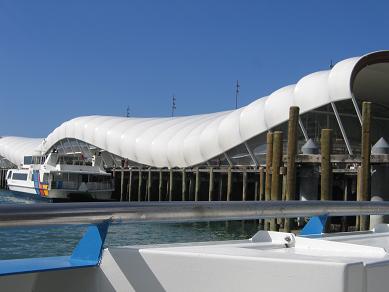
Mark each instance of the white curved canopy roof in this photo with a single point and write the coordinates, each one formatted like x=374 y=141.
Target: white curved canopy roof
x=190 y=140
x=15 y=148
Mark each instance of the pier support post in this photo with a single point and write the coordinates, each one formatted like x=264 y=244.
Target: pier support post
x=210 y=189
x=291 y=160
x=229 y=183
x=160 y=184
x=220 y=198
x=171 y=179
x=365 y=161
x=276 y=164
x=121 y=184
x=149 y=183
x=261 y=184
x=191 y=185
x=183 y=184
x=244 y=185
x=359 y=197
x=276 y=178
x=139 y=185
x=269 y=158
x=197 y=184
x=326 y=171
x=130 y=185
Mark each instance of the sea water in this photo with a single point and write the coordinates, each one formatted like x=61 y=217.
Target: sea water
x=23 y=242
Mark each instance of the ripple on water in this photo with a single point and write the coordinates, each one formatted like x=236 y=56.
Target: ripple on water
x=60 y=240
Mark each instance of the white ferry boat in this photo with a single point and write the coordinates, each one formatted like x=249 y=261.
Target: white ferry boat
x=60 y=177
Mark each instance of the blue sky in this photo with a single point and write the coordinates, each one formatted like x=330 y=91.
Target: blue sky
x=62 y=59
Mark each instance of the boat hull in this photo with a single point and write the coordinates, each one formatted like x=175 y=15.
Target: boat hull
x=270 y=261
x=62 y=194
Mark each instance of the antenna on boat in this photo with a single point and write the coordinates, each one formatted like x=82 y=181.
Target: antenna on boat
x=237 y=94
x=174 y=107
x=128 y=111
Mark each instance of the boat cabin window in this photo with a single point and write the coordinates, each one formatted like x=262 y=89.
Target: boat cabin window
x=9 y=174
x=27 y=159
x=34 y=159
x=19 y=176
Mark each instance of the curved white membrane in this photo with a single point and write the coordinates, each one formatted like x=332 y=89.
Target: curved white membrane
x=190 y=140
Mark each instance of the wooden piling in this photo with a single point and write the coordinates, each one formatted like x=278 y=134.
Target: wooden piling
x=130 y=185
x=326 y=171
x=210 y=189
x=229 y=183
x=160 y=184
x=276 y=178
x=359 y=197
x=290 y=191
x=256 y=190
x=191 y=186
x=261 y=184
x=197 y=184
x=220 y=198
x=121 y=184
x=183 y=184
x=149 y=183
x=139 y=184
x=171 y=179
x=276 y=164
x=244 y=185
x=269 y=158
x=365 y=161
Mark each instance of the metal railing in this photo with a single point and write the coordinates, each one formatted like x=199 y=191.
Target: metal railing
x=82 y=213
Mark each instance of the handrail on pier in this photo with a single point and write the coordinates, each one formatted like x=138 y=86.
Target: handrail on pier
x=84 y=213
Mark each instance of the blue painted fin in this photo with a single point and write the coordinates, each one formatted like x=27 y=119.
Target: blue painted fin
x=86 y=254
x=315 y=226
x=90 y=246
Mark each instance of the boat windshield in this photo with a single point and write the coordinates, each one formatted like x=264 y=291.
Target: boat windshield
x=69 y=180
x=34 y=159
